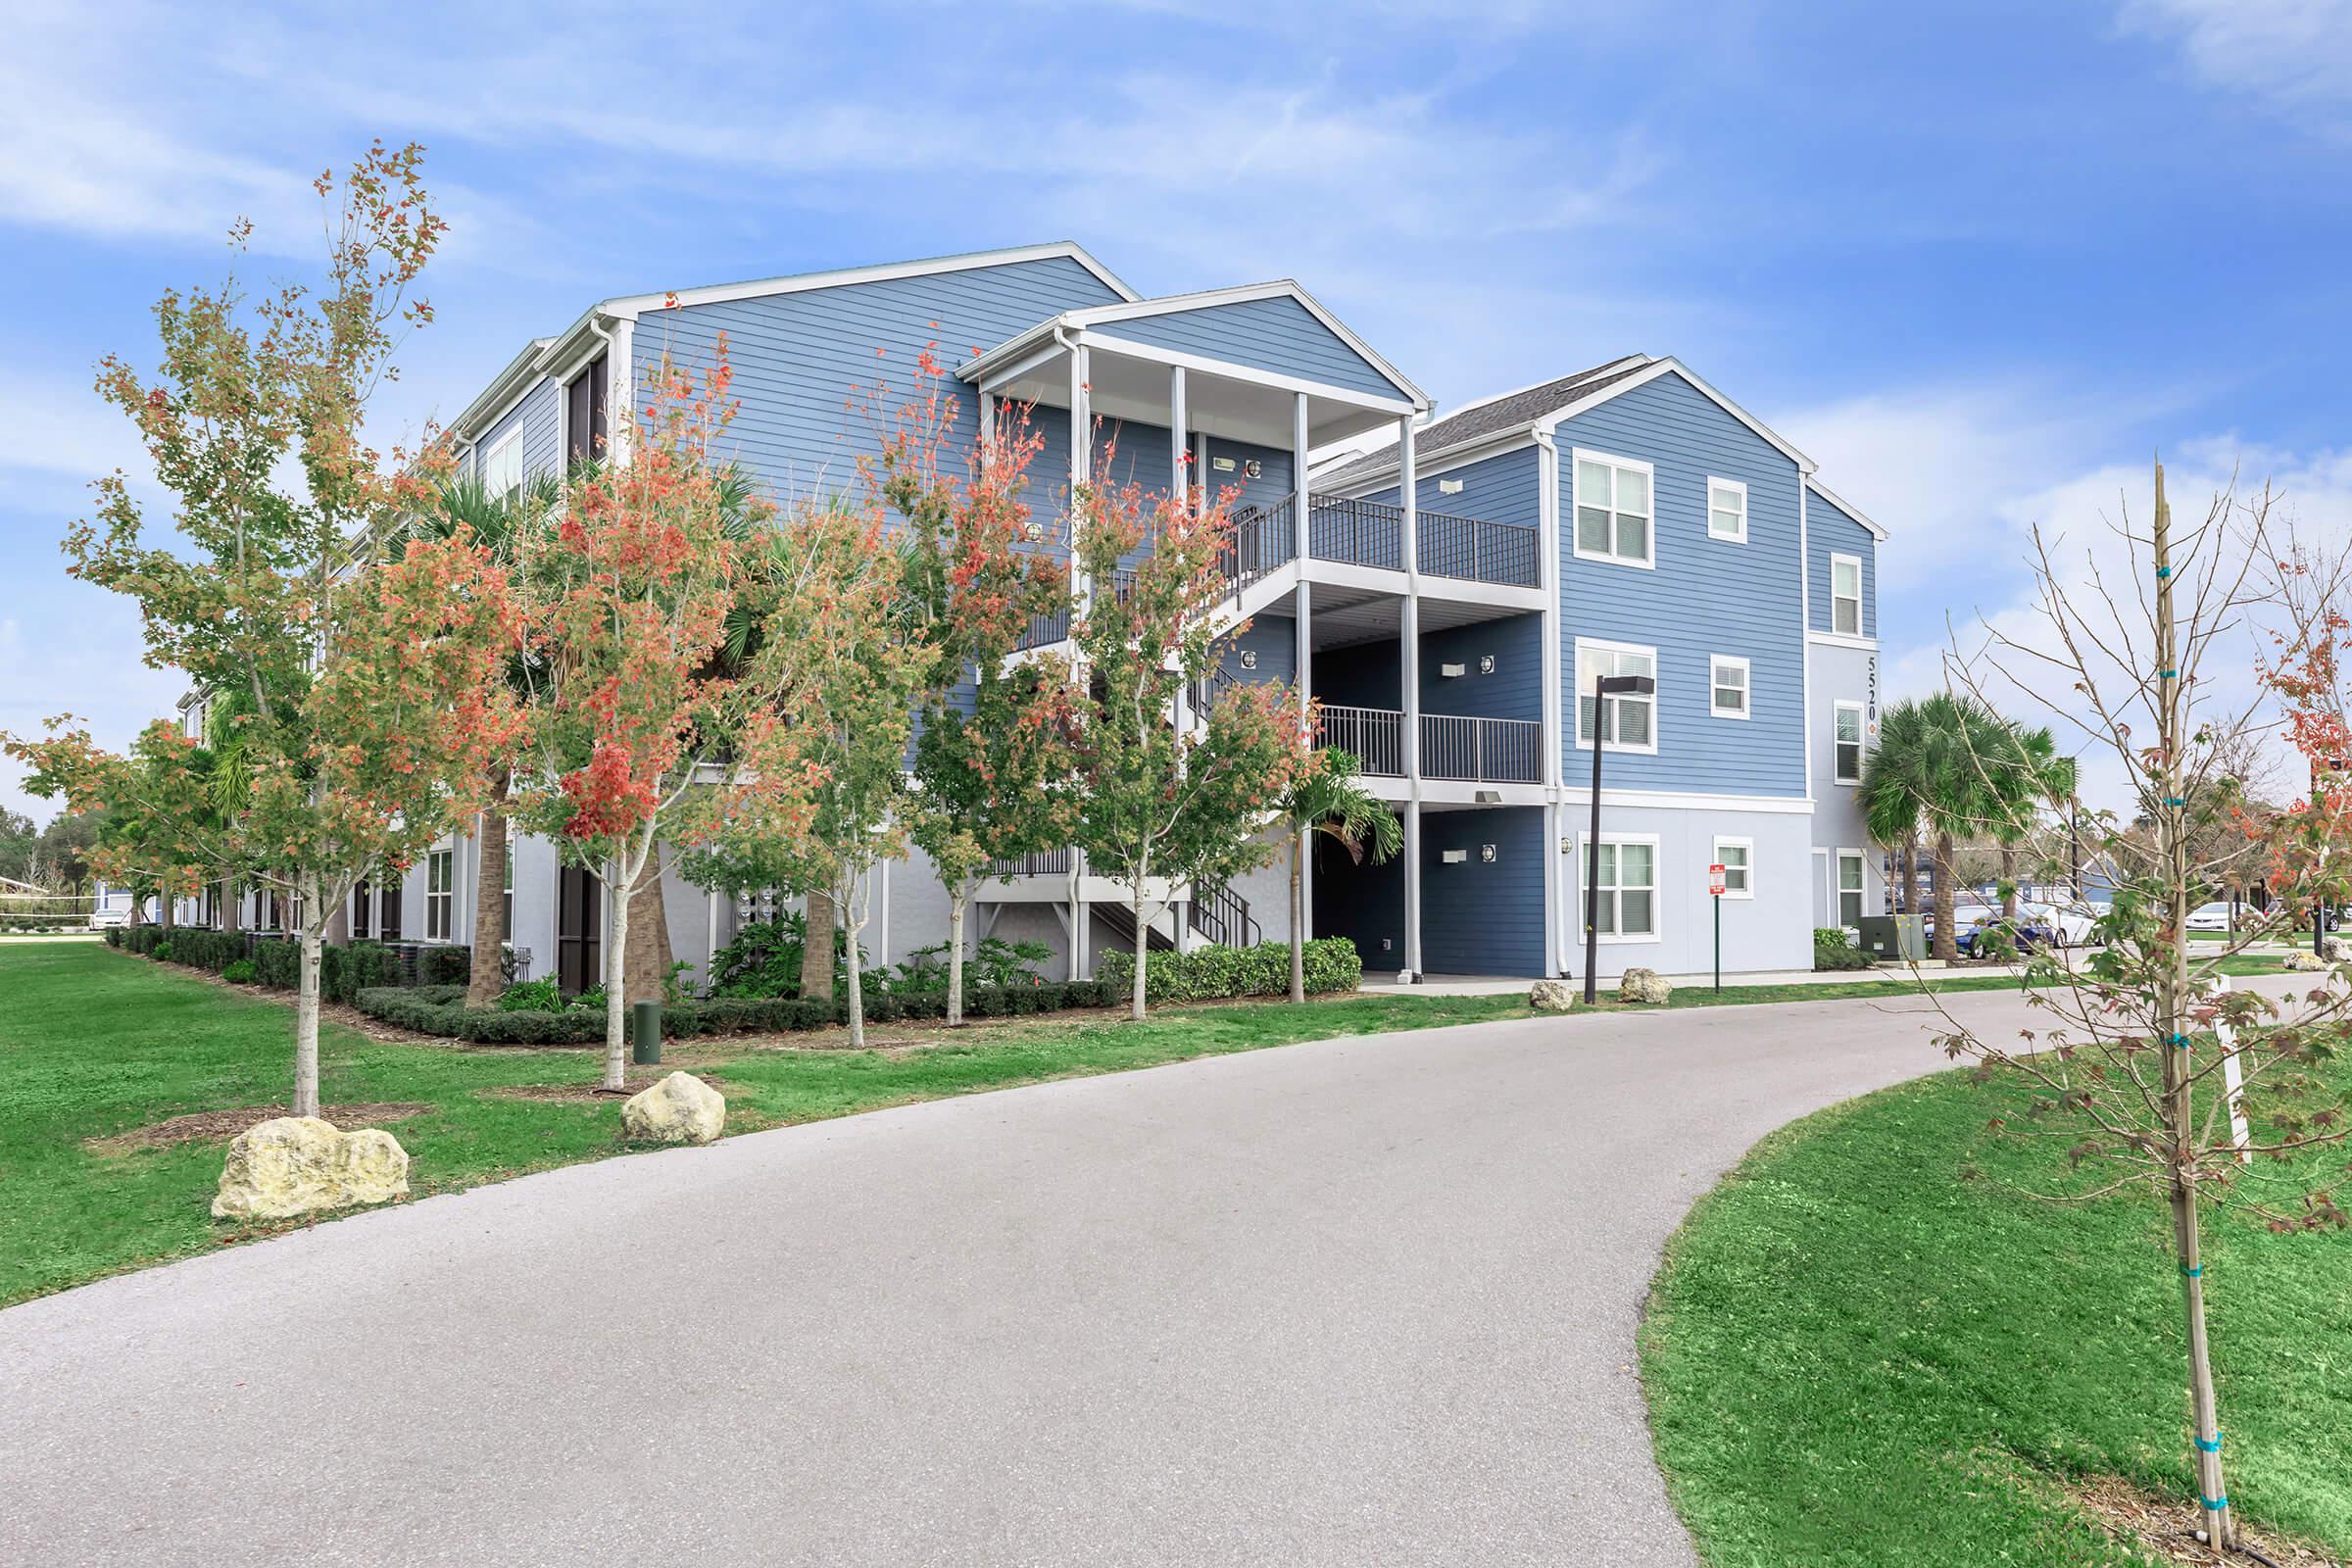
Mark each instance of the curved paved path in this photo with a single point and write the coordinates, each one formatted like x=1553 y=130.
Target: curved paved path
x=1363 y=1301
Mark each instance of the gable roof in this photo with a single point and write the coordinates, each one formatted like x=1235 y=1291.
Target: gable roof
x=1540 y=409
x=1106 y=316
x=1844 y=506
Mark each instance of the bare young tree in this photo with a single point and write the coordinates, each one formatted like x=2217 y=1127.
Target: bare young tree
x=2149 y=1073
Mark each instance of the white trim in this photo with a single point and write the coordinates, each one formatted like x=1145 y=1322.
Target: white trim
x=1689 y=800
x=1748 y=869
x=1650 y=373
x=1747 y=686
x=523 y=475
x=1576 y=455
x=1831 y=639
x=1577 y=723
x=1657 y=879
x=1842 y=505
x=1855 y=561
x=802 y=282
x=1804 y=619
x=505 y=389
x=1111 y=343
x=1740 y=486
x=1243 y=294
x=1861 y=713
x=1510 y=435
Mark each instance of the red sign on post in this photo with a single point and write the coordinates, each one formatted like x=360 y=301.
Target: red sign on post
x=1715 y=880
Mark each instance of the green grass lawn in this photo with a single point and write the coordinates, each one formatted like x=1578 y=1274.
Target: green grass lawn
x=96 y=1042
x=1854 y=1357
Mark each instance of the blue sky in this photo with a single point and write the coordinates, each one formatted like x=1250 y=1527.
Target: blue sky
x=1980 y=260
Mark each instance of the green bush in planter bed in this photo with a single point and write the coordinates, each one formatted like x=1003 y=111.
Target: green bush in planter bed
x=240 y=974
x=1833 y=948
x=1206 y=973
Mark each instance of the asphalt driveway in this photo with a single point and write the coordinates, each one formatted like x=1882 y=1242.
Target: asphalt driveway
x=1360 y=1301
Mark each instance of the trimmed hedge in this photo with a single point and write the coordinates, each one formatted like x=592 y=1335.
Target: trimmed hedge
x=1833 y=948
x=1207 y=973
x=442 y=1011
x=276 y=962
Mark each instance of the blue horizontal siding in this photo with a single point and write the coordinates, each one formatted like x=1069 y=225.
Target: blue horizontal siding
x=1829 y=531
x=805 y=363
x=534 y=414
x=1277 y=335
x=1479 y=917
x=1362 y=675
x=1506 y=488
x=1706 y=596
x=1275 y=641
x=1515 y=689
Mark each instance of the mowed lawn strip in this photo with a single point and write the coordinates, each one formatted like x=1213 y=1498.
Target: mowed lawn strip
x=96 y=1042
x=1852 y=1355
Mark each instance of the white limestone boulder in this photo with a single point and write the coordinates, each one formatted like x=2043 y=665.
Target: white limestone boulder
x=1645 y=986
x=292 y=1166
x=679 y=1110
x=1552 y=996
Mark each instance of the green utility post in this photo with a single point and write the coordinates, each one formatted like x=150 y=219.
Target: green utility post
x=645 y=1035
x=1715 y=891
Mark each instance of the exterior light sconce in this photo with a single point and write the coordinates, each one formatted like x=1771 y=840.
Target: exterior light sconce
x=1452 y=672
x=1248 y=659
x=1486 y=854
x=1449 y=487
x=1485 y=664
x=1455 y=857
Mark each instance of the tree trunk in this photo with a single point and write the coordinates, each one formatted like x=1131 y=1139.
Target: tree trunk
x=232 y=907
x=816 y=952
x=2009 y=882
x=857 y=979
x=306 y=1025
x=956 y=957
x=650 y=951
x=338 y=923
x=616 y=988
x=165 y=912
x=1947 y=940
x=488 y=976
x=1142 y=953
x=1911 y=875
x=1297 y=916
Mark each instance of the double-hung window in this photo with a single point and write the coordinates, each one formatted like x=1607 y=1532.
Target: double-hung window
x=1627 y=880
x=440 y=887
x=1727 y=511
x=1846 y=738
x=1627 y=724
x=1727 y=686
x=1849 y=887
x=1845 y=595
x=1737 y=856
x=1615 y=510
x=501 y=467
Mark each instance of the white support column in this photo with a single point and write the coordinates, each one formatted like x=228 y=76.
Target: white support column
x=988 y=423
x=620 y=393
x=1179 y=483
x=1556 y=894
x=1408 y=676
x=1082 y=966
x=1082 y=455
x=1301 y=503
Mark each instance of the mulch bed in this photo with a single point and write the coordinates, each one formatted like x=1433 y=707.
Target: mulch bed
x=2160 y=1527
x=223 y=1125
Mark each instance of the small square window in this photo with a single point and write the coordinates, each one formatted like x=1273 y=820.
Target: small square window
x=1613 y=510
x=1727 y=511
x=1737 y=856
x=1727 y=686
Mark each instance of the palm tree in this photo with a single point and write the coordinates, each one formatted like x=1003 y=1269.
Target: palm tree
x=1328 y=801
x=2037 y=777
x=1944 y=767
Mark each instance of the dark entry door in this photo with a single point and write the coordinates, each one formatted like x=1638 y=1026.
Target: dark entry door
x=577 y=965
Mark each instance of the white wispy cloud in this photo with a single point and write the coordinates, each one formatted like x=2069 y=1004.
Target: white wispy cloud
x=2287 y=52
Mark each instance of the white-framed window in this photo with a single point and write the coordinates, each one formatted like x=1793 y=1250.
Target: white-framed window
x=1616 y=510
x=1726 y=509
x=440 y=894
x=1847 y=739
x=1727 y=686
x=1845 y=595
x=1627 y=910
x=1849 y=887
x=1630 y=724
x=507 y=915
x=502 y=466
x=1738 y=857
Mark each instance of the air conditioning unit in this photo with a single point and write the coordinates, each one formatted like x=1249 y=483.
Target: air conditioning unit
x=1453 y=671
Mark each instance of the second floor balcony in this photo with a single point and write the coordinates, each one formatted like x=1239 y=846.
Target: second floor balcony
x=1371 y=533
x=1479 y=750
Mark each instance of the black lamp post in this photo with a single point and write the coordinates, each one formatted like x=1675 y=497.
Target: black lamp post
x=1604 y=688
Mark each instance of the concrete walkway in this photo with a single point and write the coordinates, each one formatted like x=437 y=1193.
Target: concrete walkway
x=1366 y=1301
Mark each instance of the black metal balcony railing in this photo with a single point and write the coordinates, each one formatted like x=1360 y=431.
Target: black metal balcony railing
x=1475 y=550
x=1375 y=736
x=1045 y=862
x=1360 y=533
x=1490 y=750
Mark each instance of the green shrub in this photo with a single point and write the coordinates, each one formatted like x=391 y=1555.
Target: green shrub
x=1211 y=972
x=161 y=952
x=1833 y=948
x=532 y=996
x=444 y=965
x=240 y=974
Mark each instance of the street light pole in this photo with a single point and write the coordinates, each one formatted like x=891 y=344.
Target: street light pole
x=1604 y=688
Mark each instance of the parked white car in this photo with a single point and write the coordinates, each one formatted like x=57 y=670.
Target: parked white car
x=101 y=917
x=2073 y=922
x=2209 y=918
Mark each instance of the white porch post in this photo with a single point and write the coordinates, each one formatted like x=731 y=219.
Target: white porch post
x=1557 y=892
x=1081 y=966
x=1408 y=675
x=1082 y=457
x=988 y=425
x=1179 y=486
x=1301 y=503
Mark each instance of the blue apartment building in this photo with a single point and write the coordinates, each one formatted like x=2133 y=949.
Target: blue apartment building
x=1447 y=587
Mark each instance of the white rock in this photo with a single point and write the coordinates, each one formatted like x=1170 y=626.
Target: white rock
x=1552 y=996
x=293 y=1166
x=1644 y=985
x=679 y=1110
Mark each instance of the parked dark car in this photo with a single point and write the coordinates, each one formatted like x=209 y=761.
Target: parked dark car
x=2031 y=934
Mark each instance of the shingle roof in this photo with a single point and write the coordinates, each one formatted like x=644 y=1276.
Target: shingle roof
x=1523 y=407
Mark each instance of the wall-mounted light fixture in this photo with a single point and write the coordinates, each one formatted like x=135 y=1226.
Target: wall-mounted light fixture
x=1486 y=854
x=1485 y=664
x=1449 y=487
x=1452 y=672
x=1248 y=659
x=1455 y=857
